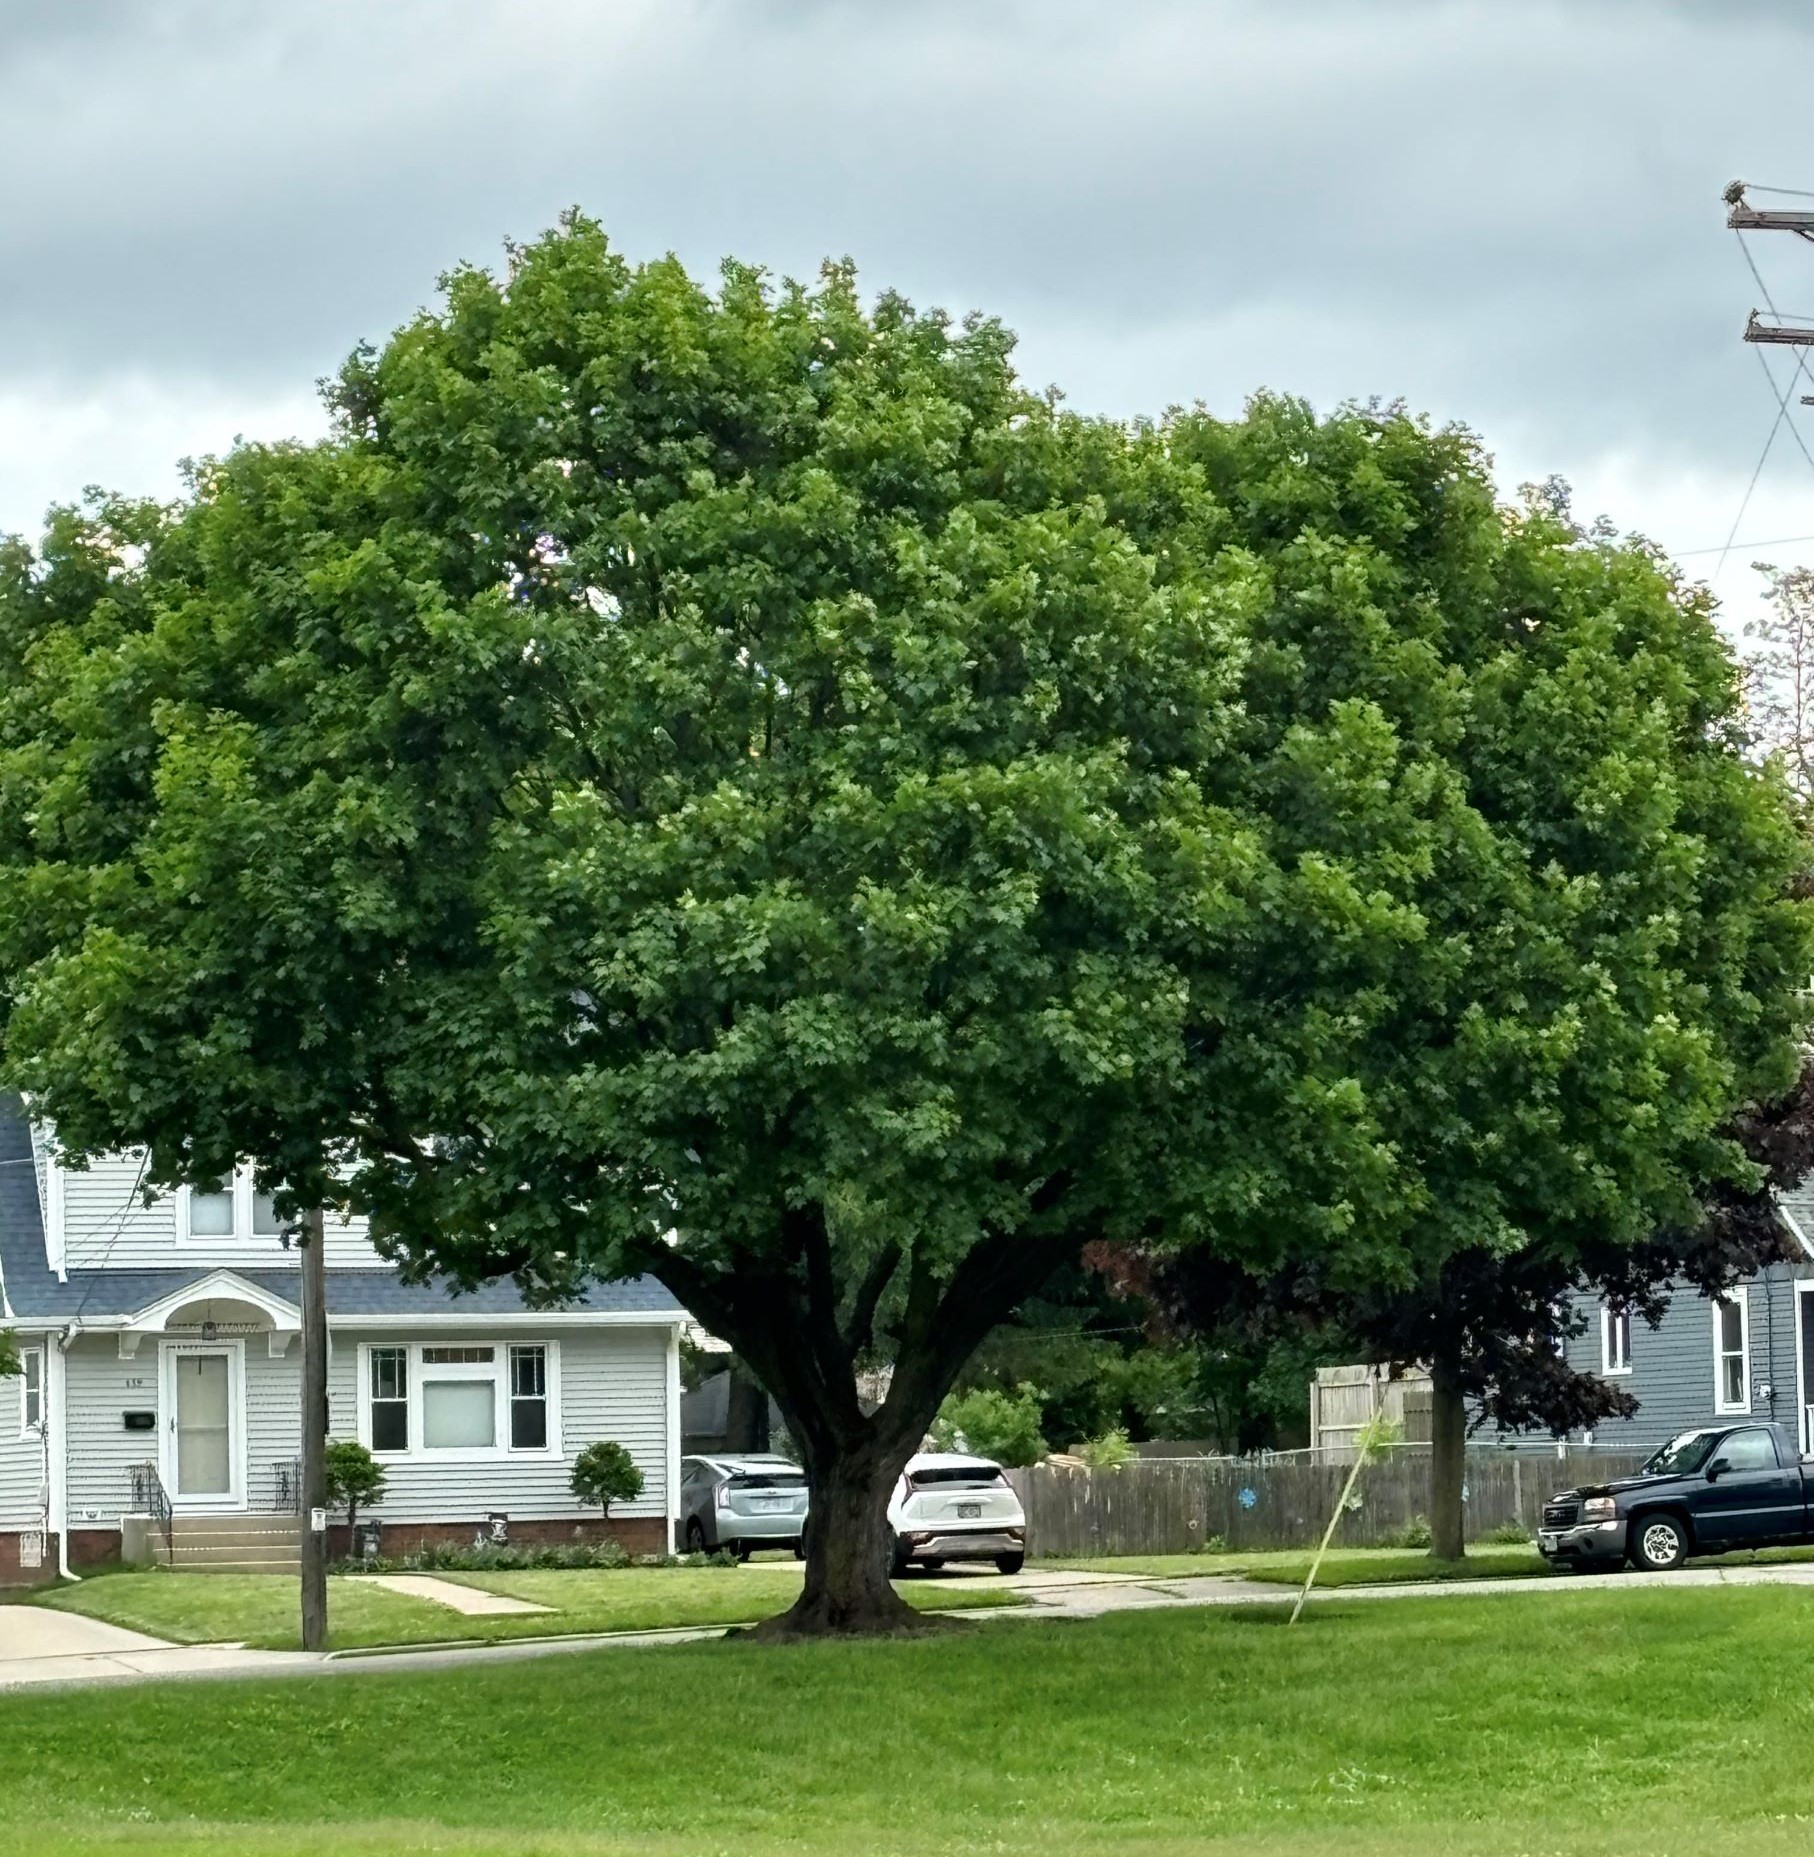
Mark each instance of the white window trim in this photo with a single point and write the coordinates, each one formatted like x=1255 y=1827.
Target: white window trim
x=497 y=1371
x=242 y=1237
x=1609 y=1319
x=31 y=1428
x=1740 y=1297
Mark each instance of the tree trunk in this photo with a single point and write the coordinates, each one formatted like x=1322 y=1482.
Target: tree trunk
x=849 y=1547
x=1448 y=1463
x=746 y=1414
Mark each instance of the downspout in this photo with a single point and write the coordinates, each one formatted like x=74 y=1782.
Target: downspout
x=59 y=1489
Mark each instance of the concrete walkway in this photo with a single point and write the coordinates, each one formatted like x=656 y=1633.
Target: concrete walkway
x=40 y=1646
x=468 y=1601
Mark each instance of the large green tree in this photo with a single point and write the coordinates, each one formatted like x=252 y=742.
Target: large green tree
x=729 y=785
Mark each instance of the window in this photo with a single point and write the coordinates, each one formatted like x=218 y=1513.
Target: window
x=31 y=1391
x=1749 y=1450
x=389 y=1398
x=1732 y=1353
x=211 y=1210
x=460 y=1398
x=234 y=1209
x=529 y=1399
x=1615 y=1340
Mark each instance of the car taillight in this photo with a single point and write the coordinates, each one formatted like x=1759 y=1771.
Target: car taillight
x=721 y=1496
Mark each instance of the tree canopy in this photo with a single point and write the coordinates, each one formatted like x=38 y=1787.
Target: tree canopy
x=730 y=785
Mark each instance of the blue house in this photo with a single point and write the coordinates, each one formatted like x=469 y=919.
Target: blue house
x=1749 y=1354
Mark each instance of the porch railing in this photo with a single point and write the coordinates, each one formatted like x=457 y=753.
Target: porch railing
x=286 y=1486
x=149 y=1497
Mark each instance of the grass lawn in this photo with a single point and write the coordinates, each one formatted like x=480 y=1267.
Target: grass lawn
x=1367 y=1566
x=260 y=1609
x=1341 y=1566
x=1668 y=1722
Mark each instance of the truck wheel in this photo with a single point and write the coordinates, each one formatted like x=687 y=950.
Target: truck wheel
x=1659 y=1543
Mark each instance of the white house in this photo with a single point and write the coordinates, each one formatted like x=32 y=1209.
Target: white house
x=160 y=1395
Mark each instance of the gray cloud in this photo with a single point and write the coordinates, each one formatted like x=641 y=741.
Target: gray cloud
x=1508 y=214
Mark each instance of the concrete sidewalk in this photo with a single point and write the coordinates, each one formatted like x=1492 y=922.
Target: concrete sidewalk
x=40 y=1647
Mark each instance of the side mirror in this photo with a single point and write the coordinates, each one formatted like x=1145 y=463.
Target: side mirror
x=1717 y=1469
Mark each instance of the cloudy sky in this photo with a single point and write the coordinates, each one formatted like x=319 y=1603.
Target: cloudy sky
x=1507 y=214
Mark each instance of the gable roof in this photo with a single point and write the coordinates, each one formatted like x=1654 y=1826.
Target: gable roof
x=32 y=1291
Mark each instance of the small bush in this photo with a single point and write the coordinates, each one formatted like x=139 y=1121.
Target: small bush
x=1414 y=1534
x=1109 y=1452
x=1509 y=1534
x=1212 y=1544
x=988 y=1423
x=355 y=1478
x=604 y=1473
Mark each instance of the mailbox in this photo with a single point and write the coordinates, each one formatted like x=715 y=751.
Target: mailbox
x=139 y=1421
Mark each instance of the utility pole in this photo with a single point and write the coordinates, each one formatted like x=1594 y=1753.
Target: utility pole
x=1742 y=216
x=314 y=1433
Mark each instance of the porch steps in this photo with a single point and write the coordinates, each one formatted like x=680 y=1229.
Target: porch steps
x=232 y=1544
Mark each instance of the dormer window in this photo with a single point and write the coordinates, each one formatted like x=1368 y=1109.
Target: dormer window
x=228 y=1211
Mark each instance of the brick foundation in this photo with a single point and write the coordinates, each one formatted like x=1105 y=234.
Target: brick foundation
x=94 y=1547
x=639 y=1534
x=13 y=1571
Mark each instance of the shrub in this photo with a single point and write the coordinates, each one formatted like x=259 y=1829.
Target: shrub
x=453 y=1557
x=354 y=1477
x=1109 y=1452
x=989 y=1423
x=1212 y=1544
x=1509 y=1534
x=604 y=1473
x=1414 y=1534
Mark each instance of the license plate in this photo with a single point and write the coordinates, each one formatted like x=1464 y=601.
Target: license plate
x=1548 y=1541
x=969 y=1511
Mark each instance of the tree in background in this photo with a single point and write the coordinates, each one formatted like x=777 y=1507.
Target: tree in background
x=604 y=1473
x=1780 y=697
x=733 y=787
x=1003 y=1426
x=1490 y=1326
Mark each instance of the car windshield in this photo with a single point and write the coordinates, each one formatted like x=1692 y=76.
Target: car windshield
x=1681 y=1454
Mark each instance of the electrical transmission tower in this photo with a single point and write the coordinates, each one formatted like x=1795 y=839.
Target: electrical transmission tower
x=1775 y=328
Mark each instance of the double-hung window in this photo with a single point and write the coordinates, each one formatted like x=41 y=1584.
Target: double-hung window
x=1615 y=1340
x=464 y=1398
x=233 y=1209
x=31 y=1392
x=1732 y=1352
x=387 y=1395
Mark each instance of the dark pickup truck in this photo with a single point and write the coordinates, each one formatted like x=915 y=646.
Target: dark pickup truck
x=1705 y=1492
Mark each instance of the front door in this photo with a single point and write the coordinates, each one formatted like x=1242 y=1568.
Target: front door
x=201 y=1426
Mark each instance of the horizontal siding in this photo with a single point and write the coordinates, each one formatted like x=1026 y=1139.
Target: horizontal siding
x=105 y=1223
x=613 y=1384
x=99 y=1387
x=1672 y=1365
x=23 y=1468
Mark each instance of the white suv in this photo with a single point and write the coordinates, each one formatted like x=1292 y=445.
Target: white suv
x=947 y=1507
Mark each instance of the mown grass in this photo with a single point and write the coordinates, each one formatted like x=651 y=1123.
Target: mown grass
x=1341 y=1566
x=261 y=1609
x=1610 y=1721
x=1369 y=1566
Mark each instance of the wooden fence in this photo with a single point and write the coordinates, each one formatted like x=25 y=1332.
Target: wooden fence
x=1172 y=1506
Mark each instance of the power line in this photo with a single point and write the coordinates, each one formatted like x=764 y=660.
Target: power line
x=1718 y=548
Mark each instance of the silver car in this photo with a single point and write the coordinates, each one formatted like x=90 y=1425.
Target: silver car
x=741 y=1502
